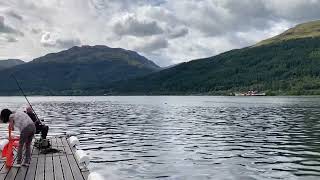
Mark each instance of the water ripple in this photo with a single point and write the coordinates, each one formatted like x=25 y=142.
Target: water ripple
x=190 y=137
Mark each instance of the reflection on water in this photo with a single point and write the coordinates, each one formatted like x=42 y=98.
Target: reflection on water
x=190 y=137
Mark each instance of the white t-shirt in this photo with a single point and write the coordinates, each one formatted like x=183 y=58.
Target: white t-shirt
x=21 y=120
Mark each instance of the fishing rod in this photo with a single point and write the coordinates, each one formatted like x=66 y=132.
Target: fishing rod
x=25 y=96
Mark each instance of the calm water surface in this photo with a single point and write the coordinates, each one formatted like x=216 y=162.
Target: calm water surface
x=186 y=138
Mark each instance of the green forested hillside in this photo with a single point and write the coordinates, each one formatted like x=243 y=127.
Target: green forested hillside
x=287 y=64
x=76 y=70
x=289 y=67
x=305 y=30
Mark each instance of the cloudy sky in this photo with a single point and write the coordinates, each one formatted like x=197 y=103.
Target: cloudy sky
x=165 y=31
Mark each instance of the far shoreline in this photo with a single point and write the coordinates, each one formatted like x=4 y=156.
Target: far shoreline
x=157 y=95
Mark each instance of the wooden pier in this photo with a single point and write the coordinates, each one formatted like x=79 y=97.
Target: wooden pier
x=53 y=166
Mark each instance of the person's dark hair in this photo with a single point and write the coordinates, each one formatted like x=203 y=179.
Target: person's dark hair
x=5 y=113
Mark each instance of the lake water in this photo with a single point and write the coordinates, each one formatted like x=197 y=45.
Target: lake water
x=189 y=138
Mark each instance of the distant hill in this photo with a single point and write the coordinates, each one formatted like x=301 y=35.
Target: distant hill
x=97 y=54
x=288 y=64
x=76 y=70
x=10 y=63
x=305 y=30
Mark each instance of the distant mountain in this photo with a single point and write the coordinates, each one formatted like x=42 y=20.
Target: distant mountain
x=76 y=70
x=10 y=63
x=98 y=54
x=288 y=64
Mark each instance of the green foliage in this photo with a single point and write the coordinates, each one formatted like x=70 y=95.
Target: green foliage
x=315 y=54
x=287 y=68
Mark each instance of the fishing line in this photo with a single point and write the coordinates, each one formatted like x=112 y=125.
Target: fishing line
x=21 y=90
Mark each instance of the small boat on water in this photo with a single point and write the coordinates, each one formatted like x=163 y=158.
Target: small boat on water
x=250 y=93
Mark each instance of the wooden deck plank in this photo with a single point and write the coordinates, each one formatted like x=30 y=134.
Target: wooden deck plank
x=67 y=172
x=75 y=169
x=33 y=163
x=58 y=175
x=23 y=171
x=49 y=171
x=3 y=173
x=85 y=173
x=60 y=147
x=66 y=168
x=1 y=164
x=53 y=142
x=67 y=148
x=59 y=142
x=54 y=145
x=32 y=169
x=35 y=152
x=12 y=172
x=40 y=167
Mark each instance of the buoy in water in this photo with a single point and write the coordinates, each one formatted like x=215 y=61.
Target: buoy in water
x=82 y=157
x=74 y=141
x=95 y=176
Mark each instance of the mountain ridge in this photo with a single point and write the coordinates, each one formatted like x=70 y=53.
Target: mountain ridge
x=102 y=53
x=287 y=64
x=76 y=70
x=309 y=29
x=8 y=63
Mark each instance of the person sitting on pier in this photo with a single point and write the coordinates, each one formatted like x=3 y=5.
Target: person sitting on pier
x=27 y=129
x=40 y=127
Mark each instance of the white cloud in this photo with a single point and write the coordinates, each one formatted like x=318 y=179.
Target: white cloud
x=165 y=31
x=55 y=40
x=7 y=29
x=130 y=25
x=152 y=44
x=178 y=32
